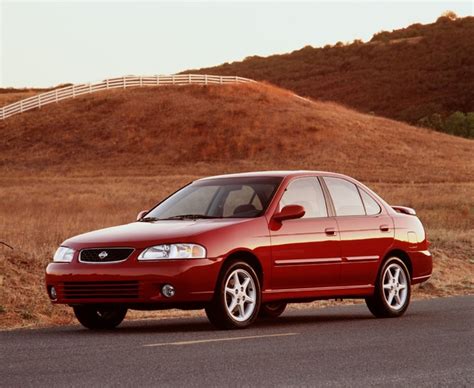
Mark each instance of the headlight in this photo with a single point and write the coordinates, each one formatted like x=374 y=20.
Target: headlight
x=63 y=255
x=173 y=251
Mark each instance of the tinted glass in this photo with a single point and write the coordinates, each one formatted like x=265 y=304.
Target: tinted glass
x=345 y=197
x=220 y=198
x=241 y=200
x=371 y=207
x=195 y=201
x=307 y=193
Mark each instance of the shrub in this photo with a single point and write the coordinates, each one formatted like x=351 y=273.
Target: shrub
x=457 y=123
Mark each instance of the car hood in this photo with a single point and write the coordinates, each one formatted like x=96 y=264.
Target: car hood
x=144 y=234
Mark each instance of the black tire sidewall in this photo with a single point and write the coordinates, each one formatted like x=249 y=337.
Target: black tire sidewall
x=88 y=317
x=269 y=312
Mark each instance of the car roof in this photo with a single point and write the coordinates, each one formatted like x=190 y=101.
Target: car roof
x=280 y=174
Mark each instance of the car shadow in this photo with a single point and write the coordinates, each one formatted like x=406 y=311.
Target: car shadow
x=201 y=324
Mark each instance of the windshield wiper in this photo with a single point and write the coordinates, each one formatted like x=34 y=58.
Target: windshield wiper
x=149 y=219
x=189 y=217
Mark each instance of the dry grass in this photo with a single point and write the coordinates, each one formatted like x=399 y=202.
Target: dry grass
x=125 y=132
x=96 y=161
x=10 y=96
x=37 y=214
x=404 y=79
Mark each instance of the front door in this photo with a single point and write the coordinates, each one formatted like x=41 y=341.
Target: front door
x=305 y=251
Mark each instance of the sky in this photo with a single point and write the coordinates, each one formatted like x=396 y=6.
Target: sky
x=44 y=44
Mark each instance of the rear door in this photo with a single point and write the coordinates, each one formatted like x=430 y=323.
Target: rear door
x=305 y=251
x=366 y=231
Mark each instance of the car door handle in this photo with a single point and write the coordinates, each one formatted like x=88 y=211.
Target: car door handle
x=330 y=231
x=384 y=228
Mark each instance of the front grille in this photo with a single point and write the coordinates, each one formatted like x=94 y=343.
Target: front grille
x=104 y=255
x=129 y=289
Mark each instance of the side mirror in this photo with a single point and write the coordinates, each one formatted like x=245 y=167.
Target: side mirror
x=142 y=214
x=289 y=212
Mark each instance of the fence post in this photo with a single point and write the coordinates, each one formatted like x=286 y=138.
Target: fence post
x=157 y=79
x=124 y=80
x=172 y=79
x=205 y=79
x=21 y=106
x=107 y=83
x=56 y=95
x=141 y=81
x=3 y=114
x=73 y=91
x=39 y=100
x=220 y=80
x=189 y=79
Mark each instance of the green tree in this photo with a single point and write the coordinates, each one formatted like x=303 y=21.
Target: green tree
x=456 y=124
x=450 y=15
x=470 y=124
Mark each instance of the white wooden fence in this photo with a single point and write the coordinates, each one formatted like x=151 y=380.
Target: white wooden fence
x=116 y=83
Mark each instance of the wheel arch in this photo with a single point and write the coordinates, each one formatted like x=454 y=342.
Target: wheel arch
x=248 y=257
x=402 y=255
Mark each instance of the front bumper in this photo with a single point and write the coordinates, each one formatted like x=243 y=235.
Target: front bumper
x=133 y=282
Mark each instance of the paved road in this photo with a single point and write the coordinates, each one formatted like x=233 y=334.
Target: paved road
x=432 y=345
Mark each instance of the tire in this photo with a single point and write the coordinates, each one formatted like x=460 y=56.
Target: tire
x=100 y=317
x=272 y=309
x=237 y=298
x=392 y=290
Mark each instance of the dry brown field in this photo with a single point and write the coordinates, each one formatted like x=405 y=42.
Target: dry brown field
x=96 y=161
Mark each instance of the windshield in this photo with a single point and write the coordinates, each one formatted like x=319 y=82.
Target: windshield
x=218 y=198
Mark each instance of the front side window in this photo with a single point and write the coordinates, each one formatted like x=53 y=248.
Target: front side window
x=305 y=192
x=219 y=198
x=345 y=196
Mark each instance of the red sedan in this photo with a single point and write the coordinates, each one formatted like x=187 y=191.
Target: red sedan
x=244 y=245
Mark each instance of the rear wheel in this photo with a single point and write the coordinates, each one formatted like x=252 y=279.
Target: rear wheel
x=237 y=298
x=272 y=309
x=100 y=317
x=392 y=291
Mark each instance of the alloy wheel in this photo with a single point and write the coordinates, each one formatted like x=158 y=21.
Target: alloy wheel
x=395 y=286
x=240 y=295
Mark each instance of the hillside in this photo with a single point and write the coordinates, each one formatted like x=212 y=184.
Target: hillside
x=406 y=74
x=97 y=160
x=243 y=127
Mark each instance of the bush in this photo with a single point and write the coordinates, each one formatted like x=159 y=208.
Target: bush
x=457 y=123
x=450 y=15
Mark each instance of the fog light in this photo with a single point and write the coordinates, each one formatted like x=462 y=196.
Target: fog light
x=53 y=294
x=168 y=290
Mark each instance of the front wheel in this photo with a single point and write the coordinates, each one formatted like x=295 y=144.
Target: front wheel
x=392 y=291
x=100 y=317
x=237 y=298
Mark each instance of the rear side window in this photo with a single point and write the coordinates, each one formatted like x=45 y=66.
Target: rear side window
x=305 y=192
x=371 y=207
x=345 y=197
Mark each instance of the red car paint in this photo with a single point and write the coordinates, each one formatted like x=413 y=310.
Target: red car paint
x=297 y=260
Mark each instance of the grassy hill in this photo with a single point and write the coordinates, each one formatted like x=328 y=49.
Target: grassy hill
x=97 y=160
x=407 y=74
x=247 y=126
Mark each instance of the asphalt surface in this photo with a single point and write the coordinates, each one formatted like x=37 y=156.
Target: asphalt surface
x=431 y=345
